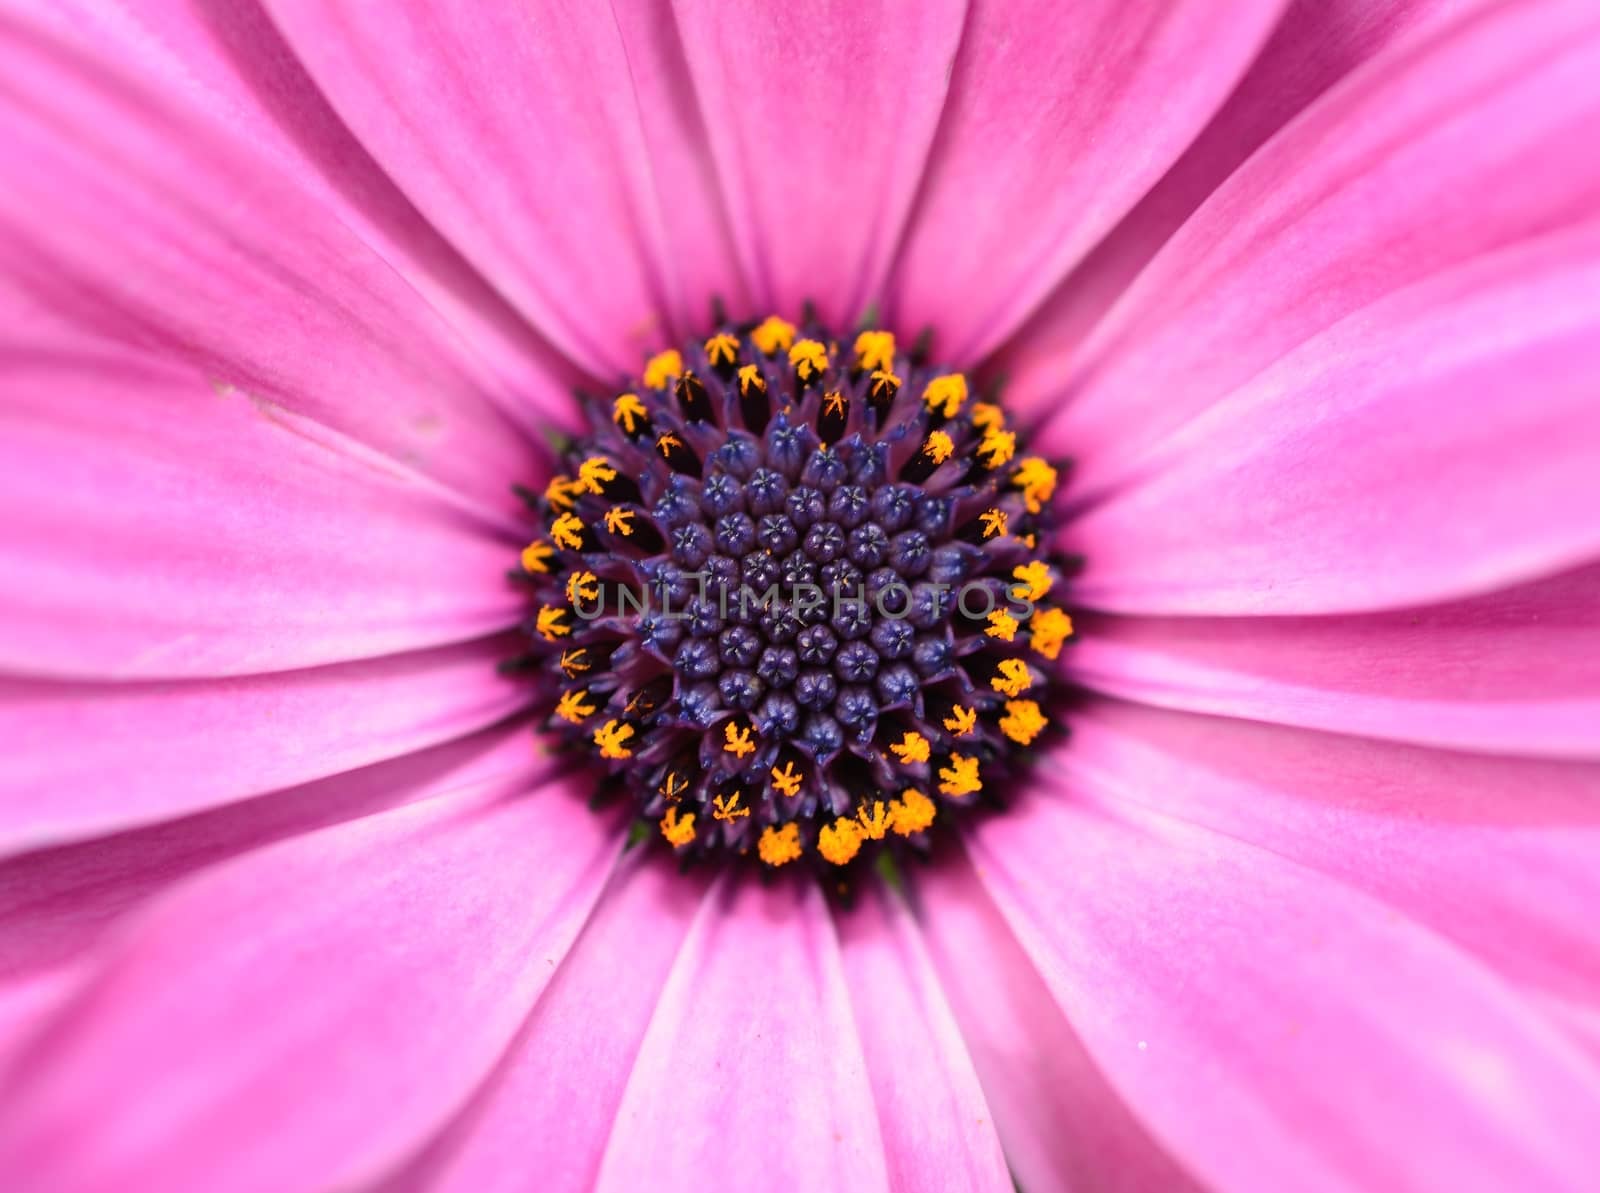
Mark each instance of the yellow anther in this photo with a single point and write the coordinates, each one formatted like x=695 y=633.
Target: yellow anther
x=986 y=416
x=674 y=786
x=809 y=358
x=945 y=394
x=750 y=376
x=1002 y=626
x=727 y=807
x=562 y=491
x=874 y=819
x=913 y=747
x=875 y=350
x=1013 y=679
x=583 y=585
x=536 y=556
x=773 y=335
x=571 y=706
x=677 y=829
x=736 y=741
x=1023 y=721
x=885 y=384
x=962 y=720
x=1029 y=541
x=574 y=662
x=994 y=523
x=628 y=412
x=595 y=473
x=567 y=530
x=912 y=812
x=1037 y=480
x=662 y=368
x=779 y=846
x=833 y=403
x=960 y=777
x=619 y=520
x=1051 y=628
x=667 y=442
x=612 y=739
x=722 y=349
x=997 y=448
x=840 y=841
x=939 y=447
x=549 y=623
x=786 y=781
x=1034 y=580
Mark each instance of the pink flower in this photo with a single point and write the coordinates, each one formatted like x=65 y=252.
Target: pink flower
x=294 y=292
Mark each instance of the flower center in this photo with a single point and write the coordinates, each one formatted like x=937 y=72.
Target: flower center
x=794 y=598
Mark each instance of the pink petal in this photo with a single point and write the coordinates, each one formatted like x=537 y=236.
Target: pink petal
x=229 y=542
x=302 y=1016
x=1059 y=118
x=1317 y=43
x=1437 y=444
x=819 y=115
x=226 y=57
x=132 y=219
x=1062 y=1126
x=516 y=131
x=938 y=1132
x=547 y=1112
x=84 y=759
x=1461 y=144
x=1511 y=672
x=56 y=904
x=1500 y=855
x=1275 y=1028
x=751 y=1073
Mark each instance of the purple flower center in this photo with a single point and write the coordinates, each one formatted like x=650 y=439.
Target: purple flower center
x=792 y=596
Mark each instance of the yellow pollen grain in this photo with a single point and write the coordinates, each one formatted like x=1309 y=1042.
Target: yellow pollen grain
x=662 y=368
x=561 y=491
x=1034 y=580
x=786 y=782
x=571 y=706
x=583 y=585
x=628 y=412
x=677 y=829
x=567 y=531
x=574 y=662
x=960 y=777
x=722 y=349
x=549 y=623
x=994 y=523
x=874 y=819
x=1013 y=678
x=773 y=335
x=667 y=442
x=1028 y=540
x=619 y=520
x=997 y=448
x=727 y=807
x=875 y=350
x=885 y=384
x=595 y=473
x=809 y=358
x=945 y=394
x=779 y=846
x=939 y=447
x=1023 y=721
x=750 y=376
x=674 y=787
x=536 y=556
x=833 y=403
x=962 y=720
x=912 y=812
x=1050 y=629
x=1037 y=480
x=1002 y=626
x=986 y=416
x=736 y=741
x=840 y=841
x=913 y=747
x=612 y=739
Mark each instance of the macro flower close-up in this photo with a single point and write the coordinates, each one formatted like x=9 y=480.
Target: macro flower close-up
x=822 y=595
